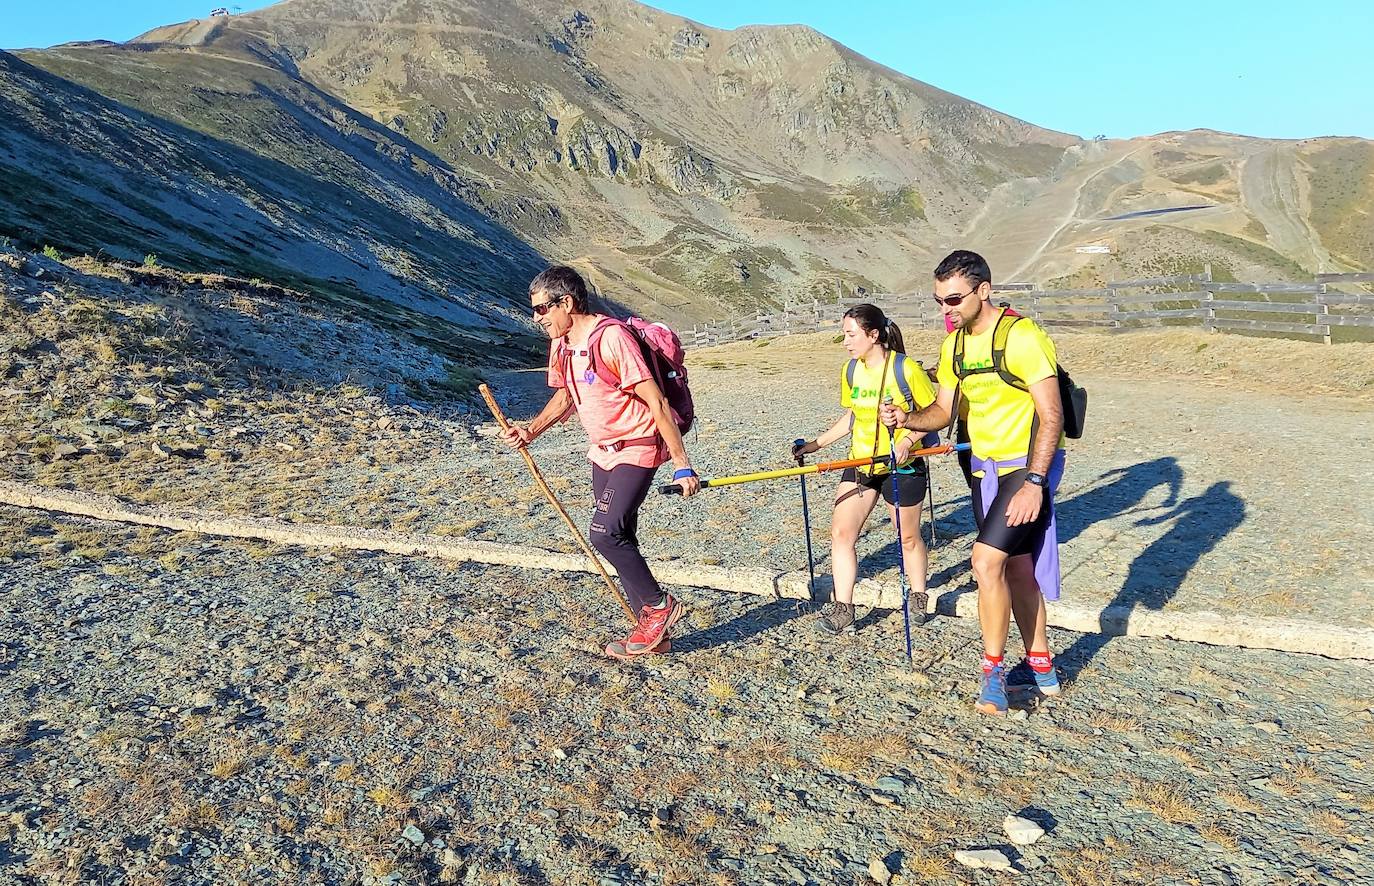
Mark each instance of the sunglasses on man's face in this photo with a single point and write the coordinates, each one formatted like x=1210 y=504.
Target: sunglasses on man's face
x=543 y=307
x=953 y=300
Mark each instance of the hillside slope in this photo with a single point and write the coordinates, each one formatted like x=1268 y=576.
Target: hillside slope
x=429 y=155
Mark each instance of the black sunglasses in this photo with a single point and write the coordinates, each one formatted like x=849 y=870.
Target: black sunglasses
x=953 y=300
x=543 y=307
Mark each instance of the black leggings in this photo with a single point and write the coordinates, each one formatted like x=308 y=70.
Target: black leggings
x=619 y=493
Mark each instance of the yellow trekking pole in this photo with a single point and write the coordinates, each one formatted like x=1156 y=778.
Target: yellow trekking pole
x=818 y=468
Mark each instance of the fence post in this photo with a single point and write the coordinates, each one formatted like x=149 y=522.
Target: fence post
x=1322 y=310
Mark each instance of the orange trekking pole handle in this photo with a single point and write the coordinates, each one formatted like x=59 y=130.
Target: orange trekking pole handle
x=553 y=500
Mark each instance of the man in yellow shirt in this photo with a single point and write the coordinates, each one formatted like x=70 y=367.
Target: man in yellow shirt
x=1006 y=370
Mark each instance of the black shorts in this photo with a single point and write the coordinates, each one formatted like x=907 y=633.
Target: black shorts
x=912 y=486
x=993 y=529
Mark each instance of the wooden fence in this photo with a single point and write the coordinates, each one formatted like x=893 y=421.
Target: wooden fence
x=1306 y=309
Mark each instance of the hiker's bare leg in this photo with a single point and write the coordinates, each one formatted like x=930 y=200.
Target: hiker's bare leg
x=1027 y=603
x=913 y=547
x=994 y=597
x=853 y=504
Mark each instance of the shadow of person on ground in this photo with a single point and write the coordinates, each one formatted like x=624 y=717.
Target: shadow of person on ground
x=1155 y=576
x=744 y=626
x=1129 y=487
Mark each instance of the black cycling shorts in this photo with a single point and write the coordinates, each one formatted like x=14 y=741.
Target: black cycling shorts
x=912 y=486
x=993 y=529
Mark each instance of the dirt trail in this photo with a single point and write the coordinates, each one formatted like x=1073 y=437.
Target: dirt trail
x=1272 y=193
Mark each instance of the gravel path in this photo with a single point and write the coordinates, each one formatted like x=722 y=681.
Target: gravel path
x=183 y=710
x=1213 y=494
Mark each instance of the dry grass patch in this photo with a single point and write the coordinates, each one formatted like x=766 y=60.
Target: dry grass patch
x=1327 y=822
x=1179 y=753
x=721 y=690
x=198 y=815
x=921 y=867
x=1091 y=867
x=1167 y=802
x=389 y=797
x=230 y=763
x=845 y=753
x=1219 y=835
x=1240 y=802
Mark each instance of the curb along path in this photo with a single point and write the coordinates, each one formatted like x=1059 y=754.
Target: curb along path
x=1202 y=627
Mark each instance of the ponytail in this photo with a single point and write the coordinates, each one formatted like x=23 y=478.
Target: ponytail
x=894 y=338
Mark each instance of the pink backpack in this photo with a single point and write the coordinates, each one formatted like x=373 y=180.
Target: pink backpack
x=662 y=350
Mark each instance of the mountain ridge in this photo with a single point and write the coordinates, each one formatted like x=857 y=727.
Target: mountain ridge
x=691 y=171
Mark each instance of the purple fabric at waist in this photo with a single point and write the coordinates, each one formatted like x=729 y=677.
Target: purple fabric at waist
x=1046 y=553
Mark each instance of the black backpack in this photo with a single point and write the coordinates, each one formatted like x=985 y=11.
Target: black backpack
x=1073 y=398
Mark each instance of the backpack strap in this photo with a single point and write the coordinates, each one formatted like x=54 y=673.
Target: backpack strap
x=849 y=382
x=957 y=364
x=899 y=374
x=599 y=366
x=1000 y=333
x=930 y=438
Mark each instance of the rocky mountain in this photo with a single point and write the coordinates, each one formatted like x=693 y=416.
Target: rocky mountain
x=421 y=158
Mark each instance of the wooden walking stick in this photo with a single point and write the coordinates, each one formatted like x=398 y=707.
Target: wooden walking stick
x=553 y=500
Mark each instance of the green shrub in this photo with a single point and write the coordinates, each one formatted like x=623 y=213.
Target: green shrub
x=150 y=260
x=52 y=253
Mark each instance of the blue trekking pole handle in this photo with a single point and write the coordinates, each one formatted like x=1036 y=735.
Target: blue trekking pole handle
x=901 y=551
x=806 y=520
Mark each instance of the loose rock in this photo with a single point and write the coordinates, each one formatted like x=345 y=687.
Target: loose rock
x=1022 y=831
x=991 y=859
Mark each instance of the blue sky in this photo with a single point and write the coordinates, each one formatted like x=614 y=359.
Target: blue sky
x=1268 y=68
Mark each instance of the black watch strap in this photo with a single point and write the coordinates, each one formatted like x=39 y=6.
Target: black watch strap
x=1035 y=479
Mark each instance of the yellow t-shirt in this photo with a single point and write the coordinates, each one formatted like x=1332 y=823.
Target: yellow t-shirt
x=1000 y=417
x=866 y=436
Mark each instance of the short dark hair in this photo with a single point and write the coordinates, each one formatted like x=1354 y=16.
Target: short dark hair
x=962 y=263
x=559 y=282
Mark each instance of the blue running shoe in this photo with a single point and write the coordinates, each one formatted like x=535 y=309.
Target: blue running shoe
x=993 y=697
x=1024 y=676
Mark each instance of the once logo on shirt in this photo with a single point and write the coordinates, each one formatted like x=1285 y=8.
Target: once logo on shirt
x=589 y=377
x=858 y=394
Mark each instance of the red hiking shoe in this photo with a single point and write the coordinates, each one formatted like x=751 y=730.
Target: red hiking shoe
x=653 y=626
x=616 y=649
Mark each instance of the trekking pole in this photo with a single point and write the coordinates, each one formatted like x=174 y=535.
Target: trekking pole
x=553 y=500
x=901 y=551
x=806 y=519
x=818 y=468
x=930 y=494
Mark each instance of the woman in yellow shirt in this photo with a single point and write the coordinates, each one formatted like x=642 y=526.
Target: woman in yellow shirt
x=878 y=369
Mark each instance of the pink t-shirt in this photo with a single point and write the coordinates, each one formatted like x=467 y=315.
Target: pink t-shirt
x=609 y=412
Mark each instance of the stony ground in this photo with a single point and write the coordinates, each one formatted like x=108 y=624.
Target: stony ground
x=178 y=709
x=181 y=709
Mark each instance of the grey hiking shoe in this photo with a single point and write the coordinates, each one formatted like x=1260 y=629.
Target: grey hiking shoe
x=839 y=619
x=918 y=606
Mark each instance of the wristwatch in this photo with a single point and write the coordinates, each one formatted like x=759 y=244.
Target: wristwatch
x=1038 y=480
